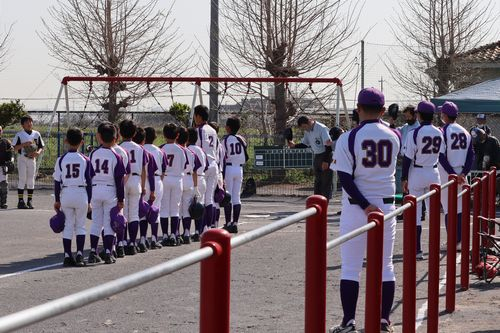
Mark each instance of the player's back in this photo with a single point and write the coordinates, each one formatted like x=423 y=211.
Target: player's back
x=157 y=154
x=202 y=157
x=457 y=141
x=124 y=155
x=104 y=161
x=209 y=142
x=136 y=156
x=71 y=169
x=424 y=144
x=369 y=153
x=234 y=147
x=176 y=159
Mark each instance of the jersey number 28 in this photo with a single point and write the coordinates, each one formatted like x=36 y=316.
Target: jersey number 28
x=377 y=153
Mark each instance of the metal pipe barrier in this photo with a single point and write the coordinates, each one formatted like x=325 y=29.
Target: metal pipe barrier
x=433 y=264
x=451 y=242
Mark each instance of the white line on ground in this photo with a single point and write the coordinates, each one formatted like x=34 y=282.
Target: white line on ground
x=423 y=309
x=29 y=270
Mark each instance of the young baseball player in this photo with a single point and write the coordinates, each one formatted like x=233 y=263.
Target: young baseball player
x=422 y=148
x=28 y=143
x=235 y=157
x=202 y=186
x=189 y=184
x=149 y=186
x=107 y=191
x=208 y=142
x=172 y=186
x=135 y=183
x=161 y=163
x=365 y=160
x=6 y=167
x=457 y=158
x=73 y=175
x=220 y=177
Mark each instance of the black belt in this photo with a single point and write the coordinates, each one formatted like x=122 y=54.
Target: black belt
x=420 y=166
x=103 y=185
x=188 y=173
x=389 y=200
x=64 y=186
x=157 y=175
x=135 y=174
x=235 y=164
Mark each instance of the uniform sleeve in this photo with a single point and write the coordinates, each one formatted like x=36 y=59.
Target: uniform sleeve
x=197 y=163
x=152 y=167
x=468 y=160
x=118 y=173
x=305 y=140
x=16 y=141
x=352 y=190
x=442 y=148
x=163 y=161
x=342 y=158
x=325 y=135
x=410 y=149
x=41 y=144
x=445 y=164
x=89 y=174
x=57 y=181
x=128 y=171
x=57 y=170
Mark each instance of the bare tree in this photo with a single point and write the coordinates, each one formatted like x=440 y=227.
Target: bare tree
x=113 y=38
x=434 y=34
x=287 y=38
x=4 y=47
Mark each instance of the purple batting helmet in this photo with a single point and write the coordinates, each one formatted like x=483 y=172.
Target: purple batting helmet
x=153 y=213
x=144 y=207
x=56 y=222
x=196 y=209
x=219 y=194
x=117 y=220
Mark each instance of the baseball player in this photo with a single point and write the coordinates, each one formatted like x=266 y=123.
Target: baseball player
x=235 y=158
x=28 y=144
x=422 y=148
x=161 y=163
x=172 y=186
x=135 y=183
x=365 y=160
x=107 y=191
x=208 y=141
x=220 y=178
x=6 y=167
x=189 y=184
x=457 y=158
x=149 y=186
x=202 y=186
x=73 y=174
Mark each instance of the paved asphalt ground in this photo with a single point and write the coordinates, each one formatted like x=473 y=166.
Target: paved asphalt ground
x=267 y=291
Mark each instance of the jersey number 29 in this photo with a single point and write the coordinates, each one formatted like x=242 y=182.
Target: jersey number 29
x=377 y=153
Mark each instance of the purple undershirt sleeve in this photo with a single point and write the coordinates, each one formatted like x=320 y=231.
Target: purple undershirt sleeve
x=406 y=168
x=445 y=164
x=351 y=189
x=89 y=174
x=152 y=167
x=57 y=191
x=119 y=183
x=468 y=160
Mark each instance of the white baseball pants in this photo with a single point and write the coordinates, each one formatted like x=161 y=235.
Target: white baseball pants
x=74 y=203
x=26 y=168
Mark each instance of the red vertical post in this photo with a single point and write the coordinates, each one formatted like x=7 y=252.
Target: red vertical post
x=464 y=271
x=492 y=191
x=409 y=264
x=373 y=298
x=476 y=210
x=434 y=239
x=215 y=279
x=451 y=256
x=315 y=303
x=484 y=205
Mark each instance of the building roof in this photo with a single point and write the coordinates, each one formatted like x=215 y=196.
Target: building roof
x=484 y=54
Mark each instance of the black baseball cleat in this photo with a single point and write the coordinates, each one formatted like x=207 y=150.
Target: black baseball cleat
x=142 y=248
x=233 y=229
x=120 y=252
x=4 y=206
x=21 y=205
x=179 y=240
x=148 y=244
x=155 y=245
x=171 y=241
x=195 y=238
x=93 y=258
x=79 y=261
x=29 y=205
x=130 y=250
x=164 y=241
x=69 y=262
x=186 y=240
x=109 y=259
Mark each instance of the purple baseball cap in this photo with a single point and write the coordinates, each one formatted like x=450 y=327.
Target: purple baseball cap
x=143 y=207
x=371 y=97
x=57 y=222
x=118 y=221
x=449 y=109
x=426 y=107
x=153 y=213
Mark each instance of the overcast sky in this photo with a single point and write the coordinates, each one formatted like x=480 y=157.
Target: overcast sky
x=30 y=73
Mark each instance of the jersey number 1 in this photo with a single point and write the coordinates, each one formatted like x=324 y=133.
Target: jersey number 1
x=377 y=153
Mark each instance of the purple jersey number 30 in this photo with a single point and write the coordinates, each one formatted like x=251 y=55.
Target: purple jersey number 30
x=377 y=153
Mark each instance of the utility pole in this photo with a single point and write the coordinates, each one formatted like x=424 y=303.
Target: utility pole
x=214 y=59
x=381 y=83
x=362 y=64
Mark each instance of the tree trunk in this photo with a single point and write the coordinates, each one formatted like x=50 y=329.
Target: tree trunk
x=281 y=113
x=112 y=105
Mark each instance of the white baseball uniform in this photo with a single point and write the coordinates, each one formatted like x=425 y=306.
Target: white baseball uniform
x=234 y=160
x=367 y=155
x=458 y=150
x=26 y=166
x=107 y=188
x=161 y=164
x=202 y=158
x=423 y=146
x=133 y=188
x=172 y=182
x=73 y=172
x=209 y=142
x=193 y=164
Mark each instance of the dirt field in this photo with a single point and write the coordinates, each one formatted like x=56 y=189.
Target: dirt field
x=267 y=291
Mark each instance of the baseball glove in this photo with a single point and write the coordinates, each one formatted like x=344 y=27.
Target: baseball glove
x=28 y=150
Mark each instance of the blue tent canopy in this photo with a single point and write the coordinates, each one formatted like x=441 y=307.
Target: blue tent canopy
x=483 y=97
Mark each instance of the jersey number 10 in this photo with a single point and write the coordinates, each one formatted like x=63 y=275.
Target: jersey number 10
x=377 y=153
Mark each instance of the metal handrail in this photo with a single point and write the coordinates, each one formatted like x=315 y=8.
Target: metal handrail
x=67 y=303
x=355 y=233
x=270 y=228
